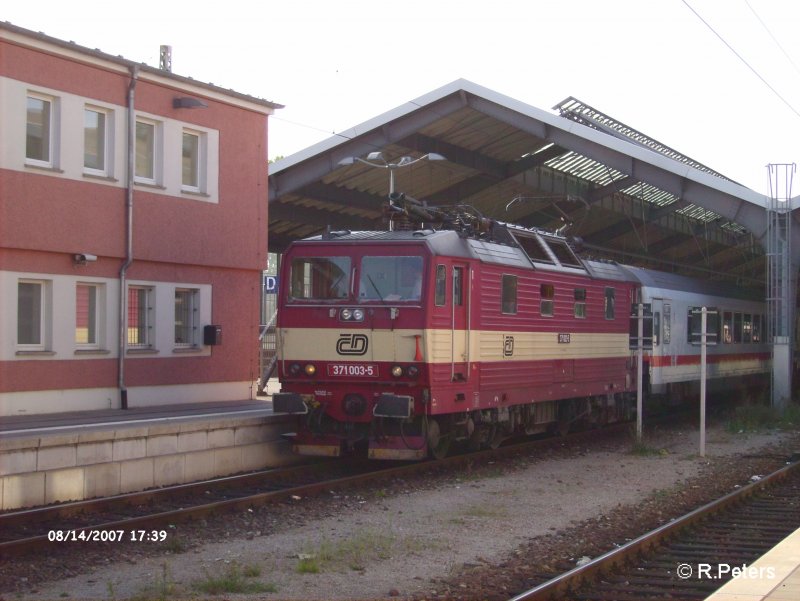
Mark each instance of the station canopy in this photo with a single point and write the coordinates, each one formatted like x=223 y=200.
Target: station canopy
x=620 y=194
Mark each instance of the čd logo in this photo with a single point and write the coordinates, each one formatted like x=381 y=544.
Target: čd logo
x=352 y=344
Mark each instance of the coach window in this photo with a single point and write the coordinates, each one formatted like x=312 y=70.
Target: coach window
x=441 y=285
x=509 y=300
x=548 y=293
x=756 y=328
x=580 y=303
x=667 y=323
x=609 y=303
x=727 y=327
x=747 y=328
x=737 y=328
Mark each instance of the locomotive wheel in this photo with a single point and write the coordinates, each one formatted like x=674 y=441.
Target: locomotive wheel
x=438 y=444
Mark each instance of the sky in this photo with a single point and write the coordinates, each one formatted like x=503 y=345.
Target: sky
x=725 y=93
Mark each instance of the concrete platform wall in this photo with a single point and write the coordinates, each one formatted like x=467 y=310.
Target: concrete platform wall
x=75 y=466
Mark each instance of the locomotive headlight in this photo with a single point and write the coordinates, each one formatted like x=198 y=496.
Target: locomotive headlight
x=358 y=314
x=346 y=314
x=310 y=369
x=294 y=369
x=413 y=371
x=397 y=371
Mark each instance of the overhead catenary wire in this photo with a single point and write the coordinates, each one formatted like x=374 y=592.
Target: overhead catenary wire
x=741 y=58
x=774 y=39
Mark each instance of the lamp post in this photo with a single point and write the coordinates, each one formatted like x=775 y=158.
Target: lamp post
x=373 y=159
x=404 y=161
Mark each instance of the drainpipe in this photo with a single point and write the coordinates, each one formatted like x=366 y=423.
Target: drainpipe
x=123 y=296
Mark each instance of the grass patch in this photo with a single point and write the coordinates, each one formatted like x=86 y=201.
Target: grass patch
x=755 y=418
x=642 y=449
x=353 y=553
x=235 y=579
x=161 y=590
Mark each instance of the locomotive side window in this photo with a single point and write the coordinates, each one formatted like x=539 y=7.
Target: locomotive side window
x=547 y=292
x=320 y=278
x=609 y=303
x=390 y=278
x=458 y=286
x=509 y=295
x=580 y=303
x=441 y=285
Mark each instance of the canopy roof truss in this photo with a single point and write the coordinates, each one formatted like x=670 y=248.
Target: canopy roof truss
x=627 y=196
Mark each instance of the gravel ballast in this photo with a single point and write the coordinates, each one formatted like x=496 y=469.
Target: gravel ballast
x=474 y=534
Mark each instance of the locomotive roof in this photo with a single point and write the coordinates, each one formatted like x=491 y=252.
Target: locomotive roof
x=450 y=243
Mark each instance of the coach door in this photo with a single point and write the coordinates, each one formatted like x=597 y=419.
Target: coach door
x=460 y=322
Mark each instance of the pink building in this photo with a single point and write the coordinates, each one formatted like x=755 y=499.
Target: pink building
x=125 y=286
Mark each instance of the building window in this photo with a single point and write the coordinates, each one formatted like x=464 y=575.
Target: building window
x=509 y=295
x=609 y=303
x=547 y=293
x=39 y=141
x=31 y=315
x=140 y=317
x=580 y=303
x=145 y=170
x=441 y=285
x=191 y=162
x=95 y=141
x=86 y=315
x=186 y=317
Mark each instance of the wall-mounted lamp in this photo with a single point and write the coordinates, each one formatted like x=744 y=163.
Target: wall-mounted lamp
x=83 y=258
x=187 y=102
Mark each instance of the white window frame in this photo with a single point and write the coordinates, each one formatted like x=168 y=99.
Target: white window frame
x=200 y=161
x=193 y=313
x=148 y=328
x=107 y=138
x=41 y=345
x=49 y=161
x=96 y=318
x=156 y=153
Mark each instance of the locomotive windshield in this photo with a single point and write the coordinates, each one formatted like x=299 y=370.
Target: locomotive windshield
x=390 y=278
x=320 y=278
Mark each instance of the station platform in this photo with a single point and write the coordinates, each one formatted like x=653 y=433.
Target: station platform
x=775 y=576
x=71 y=456
x=73 y=421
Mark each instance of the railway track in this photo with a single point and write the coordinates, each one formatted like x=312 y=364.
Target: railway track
x=692 y=556
x=126 y=517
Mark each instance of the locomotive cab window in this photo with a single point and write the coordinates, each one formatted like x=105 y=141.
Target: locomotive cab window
x=441 y=285
x=320 y=278
x=458 y=286
x=390 y=279
x=509 y=295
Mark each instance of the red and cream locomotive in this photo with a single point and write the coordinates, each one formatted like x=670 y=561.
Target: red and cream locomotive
x=401 y=342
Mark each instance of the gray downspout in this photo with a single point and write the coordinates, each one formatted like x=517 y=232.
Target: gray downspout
x=123 y=296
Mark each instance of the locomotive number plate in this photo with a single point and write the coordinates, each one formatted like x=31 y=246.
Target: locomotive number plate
x=353 y=370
